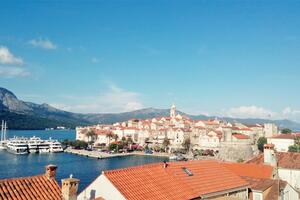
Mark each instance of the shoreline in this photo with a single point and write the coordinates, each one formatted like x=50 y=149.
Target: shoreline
x=103 y=155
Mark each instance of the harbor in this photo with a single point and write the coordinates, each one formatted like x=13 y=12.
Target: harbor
x=102 y=155
x=24 y=145
x=13 y=165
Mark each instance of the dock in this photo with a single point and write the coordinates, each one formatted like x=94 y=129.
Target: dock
x=102 y=155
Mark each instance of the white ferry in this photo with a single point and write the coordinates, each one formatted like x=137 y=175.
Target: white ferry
x=33 y=144
x=17 y=146
x=55 y=146
x=44 y=147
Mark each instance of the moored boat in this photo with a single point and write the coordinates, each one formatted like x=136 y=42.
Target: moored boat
x=55 y=146
x=17 y=146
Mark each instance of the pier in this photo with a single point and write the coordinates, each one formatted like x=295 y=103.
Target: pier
x=102 y=155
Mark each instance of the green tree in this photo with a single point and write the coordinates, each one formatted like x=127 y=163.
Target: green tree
x=286 y=131
x=166 y=143
x=294 y=148
x=109 y=135
x=129 y=140
x=115 y=136
x=91 y=135
x=186 y=144
x=261 y=142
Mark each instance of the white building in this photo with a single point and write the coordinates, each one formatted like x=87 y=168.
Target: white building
x=282 y=142
x=270 y=130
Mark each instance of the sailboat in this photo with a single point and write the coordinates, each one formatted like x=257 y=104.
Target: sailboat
x=3 y=140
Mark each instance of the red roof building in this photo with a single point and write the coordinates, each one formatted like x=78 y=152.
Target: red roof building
x=174 y=181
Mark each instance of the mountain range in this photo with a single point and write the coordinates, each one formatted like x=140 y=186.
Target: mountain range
x=26 y=115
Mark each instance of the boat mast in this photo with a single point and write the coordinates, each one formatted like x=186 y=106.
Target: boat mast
x=4 y=134
x=2 y=124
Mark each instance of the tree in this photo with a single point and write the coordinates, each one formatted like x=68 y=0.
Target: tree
x=91 y=135
x=294 y=148
x=166 y=143
x=109 y=135
x=186 y=144
x=286 y=131
x=261 y=142
x=129 y=140
x=115 y=136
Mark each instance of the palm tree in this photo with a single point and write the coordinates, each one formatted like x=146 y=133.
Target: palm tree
x=186 y=144
x=91 y=135
x=166 y=143
x=109 y=135
x=115 y=136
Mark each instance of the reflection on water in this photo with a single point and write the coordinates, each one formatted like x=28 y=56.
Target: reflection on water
x=86 y=169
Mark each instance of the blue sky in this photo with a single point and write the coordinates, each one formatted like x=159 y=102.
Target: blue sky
x=231 y=58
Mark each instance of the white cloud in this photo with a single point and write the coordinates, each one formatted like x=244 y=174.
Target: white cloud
x=10 y=72
x=260 y=112
x=43 y=43
x=114 y=100
x=6 y=57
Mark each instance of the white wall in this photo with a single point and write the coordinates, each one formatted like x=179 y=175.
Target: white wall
x=100 y=187
x=292 y=176
x=289 y=193
x=281 y=145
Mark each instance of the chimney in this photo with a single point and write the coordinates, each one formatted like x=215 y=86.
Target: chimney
x=165 y=164
x=69 y=188
x=269 y=155
x=50 y=171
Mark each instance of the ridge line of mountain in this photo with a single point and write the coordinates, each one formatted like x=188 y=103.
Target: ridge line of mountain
x=27 y=115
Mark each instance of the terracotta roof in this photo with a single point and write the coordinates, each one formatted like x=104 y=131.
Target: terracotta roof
x=199 y=127
x=240 y=136
x=250 y=170
x=284 y=136
x=30 y=188
x=286 y=160
x=153 y=181
x=102 y=132
x=263 y=185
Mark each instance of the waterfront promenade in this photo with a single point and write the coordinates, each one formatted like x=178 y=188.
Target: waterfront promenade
x=101 y=155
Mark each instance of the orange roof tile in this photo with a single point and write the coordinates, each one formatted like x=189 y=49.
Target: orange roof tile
x=240 y=136
x=250 y=170
x=284 y=136
x=153 y=181
x=30 y=188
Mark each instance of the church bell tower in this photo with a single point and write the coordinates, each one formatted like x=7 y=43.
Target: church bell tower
x=173 y=111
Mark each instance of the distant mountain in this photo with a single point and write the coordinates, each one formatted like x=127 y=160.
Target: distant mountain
x=26 y=115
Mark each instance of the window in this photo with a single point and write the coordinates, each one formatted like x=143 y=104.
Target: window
x=257 y=196
x=187 y=171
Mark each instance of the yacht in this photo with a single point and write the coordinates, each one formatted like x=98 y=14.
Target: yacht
x=44 y=147
x=17 y=146
x=3 y=145
x=55 y=146
x=33 y=144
